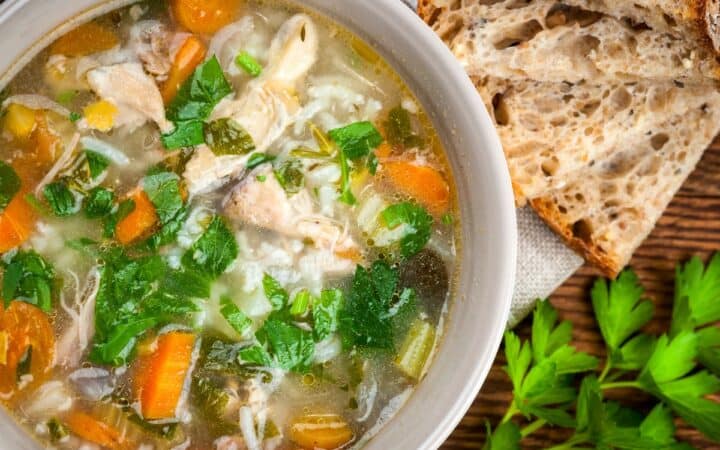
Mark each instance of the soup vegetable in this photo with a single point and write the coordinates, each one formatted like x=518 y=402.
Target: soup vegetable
x=223 y=224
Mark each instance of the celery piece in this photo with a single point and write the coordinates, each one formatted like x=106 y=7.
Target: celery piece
x=416 y=349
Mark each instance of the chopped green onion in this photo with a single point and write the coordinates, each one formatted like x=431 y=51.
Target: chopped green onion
x=74 y=117
x=301 y=303
x=416 y=349
x=448 y=219
x=246 y=62
x=258 y=159
x=261 y=178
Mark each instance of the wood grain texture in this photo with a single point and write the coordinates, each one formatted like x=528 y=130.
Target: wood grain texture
x=690 y=226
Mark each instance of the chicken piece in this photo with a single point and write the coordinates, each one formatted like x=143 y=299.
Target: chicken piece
x=206 y=172
x=150 y=40
x=133 y=92
x=268 y=104
x=265 y=204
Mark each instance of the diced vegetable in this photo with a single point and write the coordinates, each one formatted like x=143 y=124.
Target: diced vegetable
x=326 y=431
x=246 y=62
x=25 y=327
x=301 y=303
x=205 y=16
x=84 y=40
x=29 y=278
x=189 y=56
x=45 y=143
x=227 y=137
x=167 y=370
x=20 y=120
x=418 y=225
x=416 y=349
x=94 y=430
x=140 y=222
x=9 y=184
x=100 y=115
x=422 y=183
x=16 y=223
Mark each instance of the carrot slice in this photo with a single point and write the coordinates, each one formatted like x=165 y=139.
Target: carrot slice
x=191 y=54
x=140 y=222
x=205 y=16
x=93 y=430
x=84 y=40
x=162 y=384
x=28 y=334
x=423 y=183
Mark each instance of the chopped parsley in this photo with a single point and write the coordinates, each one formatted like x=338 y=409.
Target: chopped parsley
x=97 y=163
x=355 y=141
x=61 y=199
x=418 y=225
x=227 y=137
x=258 y=159
x=246 y=62
x=234 y=315
x=29 y=278
x=290 y=176
x=99 y=203
x=214 y=251
x=9 y=184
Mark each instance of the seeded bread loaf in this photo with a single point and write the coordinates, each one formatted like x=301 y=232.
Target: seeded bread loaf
x=553 y=132
x=609 y=211
x=553 y=41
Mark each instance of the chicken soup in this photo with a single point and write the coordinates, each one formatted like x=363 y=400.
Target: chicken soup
x=224 y=224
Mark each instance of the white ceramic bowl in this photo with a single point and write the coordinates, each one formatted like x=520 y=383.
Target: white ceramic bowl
x=488 y=249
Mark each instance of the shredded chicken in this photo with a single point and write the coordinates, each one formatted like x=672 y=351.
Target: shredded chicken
x=265 y=108
x=266 y=204
x=60 y=164
x=133 y=92
x=77 y=336
x=150 y=40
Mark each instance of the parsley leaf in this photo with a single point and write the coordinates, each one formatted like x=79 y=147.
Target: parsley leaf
x=97 y=163
x=505 y=437
x=418 y=225
x=163 y=190
x=258 y=159
x=123 y=210
x=373 y=303
x=214 y=251
x=227 y=137
x=61 y=199
x=667 y=375
x=709 y=348
x=275 y=293
x=290 y=176
x=697 y=295
x=256 y=355
x=326 y=313
x=234 y=315
x=99 y=203
x=193 y=104
x=28 y=278
x=291 y=347
x=9 y=184
x=356 y=140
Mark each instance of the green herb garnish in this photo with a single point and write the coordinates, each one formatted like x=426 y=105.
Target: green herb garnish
x=290 y=176
x=61 y=199
x=399 y=129
x=97 y=163
x=9 y=184
x=99 y=203
x=214 y=251
x=258 y=159
x=326 y=313
x=355 y=141
x=418 y=225
x=29 y=278
x=275 y=293
x=246 y=62
x=227 y=137
x=234 y=315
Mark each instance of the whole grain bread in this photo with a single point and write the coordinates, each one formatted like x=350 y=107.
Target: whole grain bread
x=555 y=41
x=554 y=132
x=607 y=213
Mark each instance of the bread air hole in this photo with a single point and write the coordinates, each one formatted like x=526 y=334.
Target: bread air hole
x=659 y=140
x=500 y=110
x=582 y=230
x=563 y=15
x=522 y=33
x=550 y=166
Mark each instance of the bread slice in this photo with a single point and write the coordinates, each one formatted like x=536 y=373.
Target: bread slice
x=554 y=132
x=552 y=41
x=607 y=212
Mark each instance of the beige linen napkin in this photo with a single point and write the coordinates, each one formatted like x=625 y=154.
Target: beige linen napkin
x=544 y=262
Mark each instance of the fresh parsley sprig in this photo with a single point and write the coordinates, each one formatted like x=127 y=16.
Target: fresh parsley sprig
x=679 y=369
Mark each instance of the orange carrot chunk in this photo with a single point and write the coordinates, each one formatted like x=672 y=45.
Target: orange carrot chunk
x=422 y=183
x=17 y=223
x=205 y=16
x=167 y=369
x=85 y=40
x=93 y=430
x=140 y=222
x=191 y=54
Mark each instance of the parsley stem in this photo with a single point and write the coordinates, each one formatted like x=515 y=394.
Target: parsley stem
x=605 y=371
x=570 y=444
x=510 y=413
x=533 y=427
x=621 y=385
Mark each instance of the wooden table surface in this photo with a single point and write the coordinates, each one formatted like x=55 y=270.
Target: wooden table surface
x=691 y=225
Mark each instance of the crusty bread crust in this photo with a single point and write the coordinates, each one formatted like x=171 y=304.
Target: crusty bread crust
x=608 y=264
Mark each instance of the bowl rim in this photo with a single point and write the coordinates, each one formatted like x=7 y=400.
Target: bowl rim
x=467 y=117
